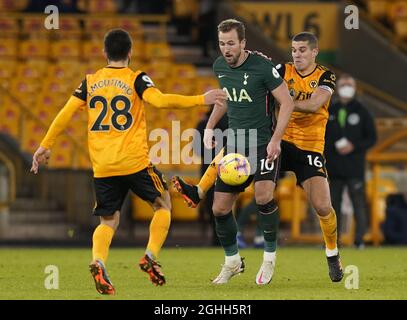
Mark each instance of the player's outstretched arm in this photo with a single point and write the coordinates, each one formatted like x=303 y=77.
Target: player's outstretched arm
x=58 y=125
x=161 y=100
x=318 y=98
x=282 y=95
x=218 y=112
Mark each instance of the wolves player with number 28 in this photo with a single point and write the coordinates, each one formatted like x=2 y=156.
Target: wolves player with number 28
x=117 y=139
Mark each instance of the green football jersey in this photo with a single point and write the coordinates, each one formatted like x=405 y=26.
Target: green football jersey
x=248 y=88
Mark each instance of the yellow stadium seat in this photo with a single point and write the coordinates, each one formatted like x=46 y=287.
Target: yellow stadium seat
x=102 y=6
x=10 y=118
x=203 y=84
x=180 y=86
x=9 y=27
x=396 y=10
x=158 y=50
x=15 y=5
x=7 y=68
x=137 y=51
x=98 y=26
x=24 y=86
x=51 y=101
x=33 y=25
x=25 y=70
x=56 y=86
x=44 y=114
x=65 y=49
x=400 y=26
x=285 y=193
x=377 y=8
x=69 y=27
x=93 y=49
x=34 y=132
x=91 y=67
x=132 y=26
x=8 y=48
x=185 y=71
x=34 y=49
x=61 y=156
x=65 y=70
x=156 y=71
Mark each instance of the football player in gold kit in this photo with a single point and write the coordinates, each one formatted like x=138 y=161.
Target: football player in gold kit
x=117 y=140
x=311 y=86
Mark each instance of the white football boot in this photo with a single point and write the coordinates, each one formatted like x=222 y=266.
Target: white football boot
x=265 y=274
x=228 y=271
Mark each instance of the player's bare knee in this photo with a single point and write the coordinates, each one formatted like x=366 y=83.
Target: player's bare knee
x=220 y=210
x=323 y=209
x=112 y=221
x=162 y=202
x=263 y=198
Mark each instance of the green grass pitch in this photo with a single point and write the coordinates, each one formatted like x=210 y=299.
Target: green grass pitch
x=301 y=273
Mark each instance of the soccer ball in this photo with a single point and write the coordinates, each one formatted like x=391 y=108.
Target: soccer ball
x=234 y=169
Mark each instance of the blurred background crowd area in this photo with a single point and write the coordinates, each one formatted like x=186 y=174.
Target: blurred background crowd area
x=175 y=43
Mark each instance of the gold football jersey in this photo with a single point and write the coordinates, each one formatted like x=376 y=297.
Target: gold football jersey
x=117 y=135
x=307 y=130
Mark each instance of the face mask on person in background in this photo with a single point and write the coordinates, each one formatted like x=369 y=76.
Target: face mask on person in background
x=346 y=92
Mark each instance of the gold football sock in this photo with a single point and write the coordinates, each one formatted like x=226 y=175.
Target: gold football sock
x=209 y=177
x=158 y=231
x=102 y=237
x=328 y=227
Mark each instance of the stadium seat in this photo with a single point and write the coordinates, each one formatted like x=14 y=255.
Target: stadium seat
x=203 y=84
x=69 y=27
x=96 y=27
x=62 y=153
x=156 y=71
x=8 y=27
x=8 y=48
x=158 y=51
x=285 y=193
x=377 y=8
x=34 y=48
x=64 y=49
x=179 y=86
x=185 y=71
x=7 y=68
x=132 y=26
x=102 y=6
x=400 y=26
x=24 y=86
x=29 y=70
x=396 y=10
x=10 y=117
x=65 y=70
x=92 y=49
x=11 y=6
x=33 y=134
x=33 y=26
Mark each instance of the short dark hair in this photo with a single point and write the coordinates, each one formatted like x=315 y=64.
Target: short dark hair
x=307 y=36
x=117 y=44
x=230 y=24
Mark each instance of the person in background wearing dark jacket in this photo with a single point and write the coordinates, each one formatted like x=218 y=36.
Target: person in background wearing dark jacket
x=350 y=132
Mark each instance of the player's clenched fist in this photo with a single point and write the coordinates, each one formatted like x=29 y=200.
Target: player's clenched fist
x=215 y=96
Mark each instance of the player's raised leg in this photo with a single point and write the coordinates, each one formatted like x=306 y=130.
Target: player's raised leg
x=193 y=194
x=317 y=190
x=226 y=230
